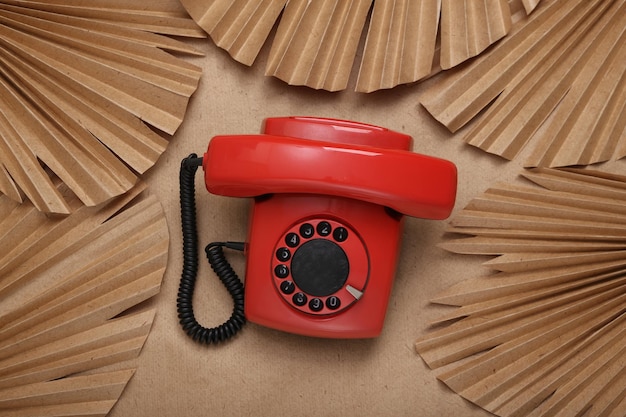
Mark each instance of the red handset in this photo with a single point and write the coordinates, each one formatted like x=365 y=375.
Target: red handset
x=327 y=214
x=410 y=183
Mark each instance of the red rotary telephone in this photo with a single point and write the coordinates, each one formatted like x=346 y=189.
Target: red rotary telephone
x=329 y=199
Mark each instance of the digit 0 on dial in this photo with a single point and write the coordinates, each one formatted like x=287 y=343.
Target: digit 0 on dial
x=320 y=266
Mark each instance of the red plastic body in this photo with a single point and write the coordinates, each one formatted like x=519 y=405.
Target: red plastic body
x=311 y=169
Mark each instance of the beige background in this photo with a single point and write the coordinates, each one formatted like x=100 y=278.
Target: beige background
x=263 y=372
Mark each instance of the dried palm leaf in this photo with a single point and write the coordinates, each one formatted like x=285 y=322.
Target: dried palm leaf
x=81 y=84
x=544 y=334
x=66 y=284
x=316 y=41
x=559 y=79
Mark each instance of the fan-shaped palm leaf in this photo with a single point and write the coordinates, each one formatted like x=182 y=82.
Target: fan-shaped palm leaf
x=316 y=42
x=65 y=286
x=81 y=84
x=544 y=334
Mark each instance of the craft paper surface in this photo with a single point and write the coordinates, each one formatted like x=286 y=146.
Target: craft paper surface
x=317 y=42
x=265 y=372
x=85 y=87
x=67 y=338
x=544 y=333
x=555 y=83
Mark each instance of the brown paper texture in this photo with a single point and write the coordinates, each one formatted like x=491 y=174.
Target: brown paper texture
x=469 y=27
x=265 y=372
x=544 y=332
x=401 y=43
x=84 y=86
x=556 y=83
x=240 y=27
x=67 y=285
x=316 y=43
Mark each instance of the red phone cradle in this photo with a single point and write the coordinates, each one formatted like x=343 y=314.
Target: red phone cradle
x=326 y=219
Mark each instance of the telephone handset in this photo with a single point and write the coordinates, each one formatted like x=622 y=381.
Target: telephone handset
x=329 y=199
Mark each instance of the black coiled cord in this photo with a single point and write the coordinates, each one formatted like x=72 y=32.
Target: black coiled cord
x=217 y=260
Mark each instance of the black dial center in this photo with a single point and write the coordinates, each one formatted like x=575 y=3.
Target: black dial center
x=320 y=267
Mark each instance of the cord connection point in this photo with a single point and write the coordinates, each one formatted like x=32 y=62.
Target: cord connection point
x=240 y=246
x=192 y=161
